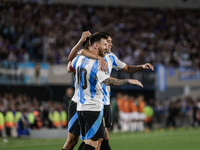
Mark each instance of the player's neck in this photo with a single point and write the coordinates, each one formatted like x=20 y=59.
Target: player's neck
x=96 y=51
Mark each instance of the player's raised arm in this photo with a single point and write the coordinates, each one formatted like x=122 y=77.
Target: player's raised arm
x=86 y=52
x=75 y=49
x=119 y=82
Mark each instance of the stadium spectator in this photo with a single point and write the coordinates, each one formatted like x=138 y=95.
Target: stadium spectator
x=23 y=127
x=126 y=113
x=9 y=121
x=119 y=99
x=67 y=97
x=134 y=116
x=115 y=115
x=196 y=114
x=2 y=120
x=140 y=108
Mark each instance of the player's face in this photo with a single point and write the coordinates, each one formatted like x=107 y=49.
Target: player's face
x=103 y=47
x=109 y=41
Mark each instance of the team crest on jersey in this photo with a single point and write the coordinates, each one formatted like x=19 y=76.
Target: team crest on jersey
x=95 y=77
x=84 y=61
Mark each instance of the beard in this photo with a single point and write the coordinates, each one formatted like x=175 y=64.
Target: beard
x=101 y=52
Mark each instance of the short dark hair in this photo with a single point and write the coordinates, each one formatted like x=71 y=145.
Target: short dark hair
x=86 y=44
x=97 y=38
x=106 y=33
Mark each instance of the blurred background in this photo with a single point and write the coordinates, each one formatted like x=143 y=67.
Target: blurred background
x=36 y=37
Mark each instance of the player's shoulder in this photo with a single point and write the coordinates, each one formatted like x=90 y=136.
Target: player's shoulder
x=86 y=60
x=93 y=64
x=110 y=53
x=77 y=58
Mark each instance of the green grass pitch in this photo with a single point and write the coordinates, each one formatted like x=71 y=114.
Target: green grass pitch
x=159 y=139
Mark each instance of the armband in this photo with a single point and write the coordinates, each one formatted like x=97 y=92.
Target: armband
x=71 y=68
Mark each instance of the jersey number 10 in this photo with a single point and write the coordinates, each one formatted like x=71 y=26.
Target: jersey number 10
x=82 y=77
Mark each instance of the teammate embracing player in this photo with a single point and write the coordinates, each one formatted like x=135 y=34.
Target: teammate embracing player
x=112 y=62
x=90 y=105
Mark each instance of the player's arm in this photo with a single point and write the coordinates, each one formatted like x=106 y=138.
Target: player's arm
x=85 y=52
x=119 y=65
x=133 y=68
x=105 y=78
x=76 y=48
x=92 y=55
x=119 y=82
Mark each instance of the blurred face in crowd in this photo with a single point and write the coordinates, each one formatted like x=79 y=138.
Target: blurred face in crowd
x=126 y=97
x=69 y=92
x=131 y=98
x=140 y=98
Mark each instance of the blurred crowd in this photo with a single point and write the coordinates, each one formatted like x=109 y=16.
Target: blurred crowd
x=137 y=113
x=21 y=113
x=43 y=32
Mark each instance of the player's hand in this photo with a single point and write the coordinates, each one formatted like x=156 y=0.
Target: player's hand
x=85 y=35
x=103 y=64
x=148 y=66
x=135 y=82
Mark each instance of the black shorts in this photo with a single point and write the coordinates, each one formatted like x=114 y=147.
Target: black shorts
x=91 y=124
x=107 y=116
x=73 y=126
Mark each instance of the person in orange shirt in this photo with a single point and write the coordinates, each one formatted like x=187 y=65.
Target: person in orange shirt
x=134 y=114
x=141 y=106
x=126 y=113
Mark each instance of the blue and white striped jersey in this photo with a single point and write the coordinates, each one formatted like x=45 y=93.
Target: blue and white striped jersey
x=89 y=78
x=112 y=62
x=75 y=96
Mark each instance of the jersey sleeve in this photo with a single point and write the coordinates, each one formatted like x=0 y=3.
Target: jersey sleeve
x=116 y=62
x=101 y=76
x=74 y=61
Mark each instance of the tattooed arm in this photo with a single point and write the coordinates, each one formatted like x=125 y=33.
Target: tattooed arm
x=118 y=82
